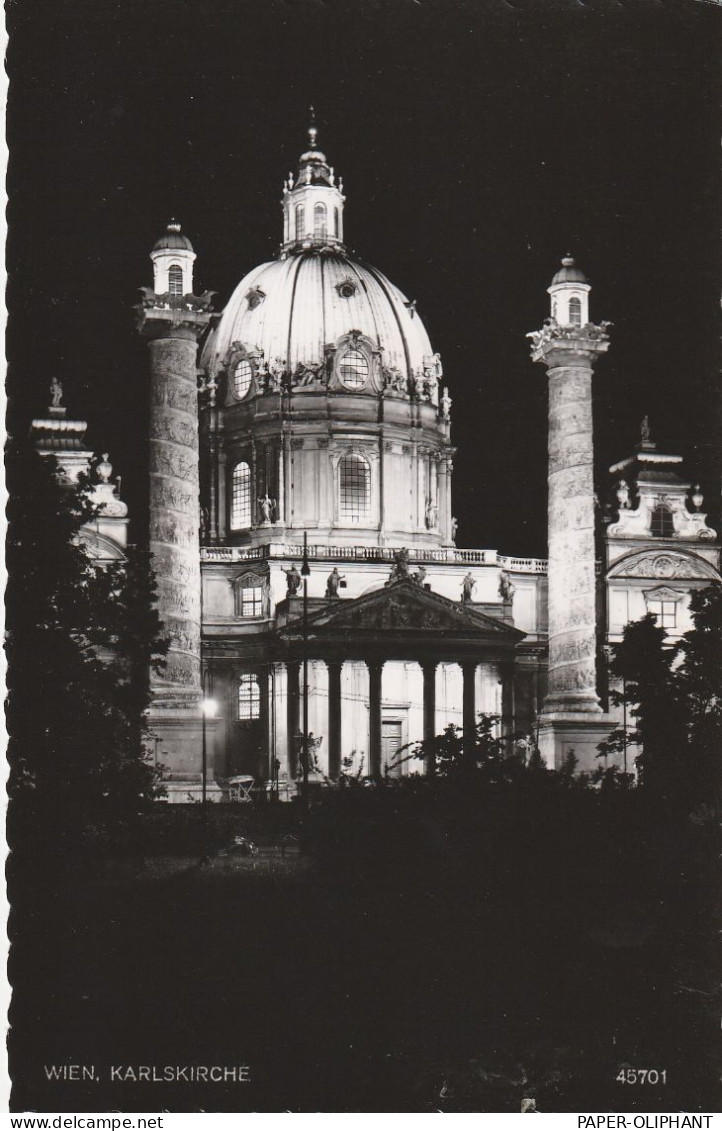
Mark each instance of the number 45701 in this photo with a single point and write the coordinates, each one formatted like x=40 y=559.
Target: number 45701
x=642 y=1076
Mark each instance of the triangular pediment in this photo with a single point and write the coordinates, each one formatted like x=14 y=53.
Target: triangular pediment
x=405 y=608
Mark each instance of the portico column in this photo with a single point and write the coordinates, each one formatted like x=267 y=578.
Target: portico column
x=507 y=704
x=334 y=719
x=293 y=669
x=281 y=487
x=264 y=684
x=375 y=670
x=429 y=672
x=469 y=706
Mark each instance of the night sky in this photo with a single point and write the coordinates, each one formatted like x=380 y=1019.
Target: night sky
x=478 y=142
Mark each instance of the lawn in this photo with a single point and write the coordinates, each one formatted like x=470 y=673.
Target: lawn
x=357 y=981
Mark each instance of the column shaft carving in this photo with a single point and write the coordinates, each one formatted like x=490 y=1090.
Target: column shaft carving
x=572 y=598
x=174 y=506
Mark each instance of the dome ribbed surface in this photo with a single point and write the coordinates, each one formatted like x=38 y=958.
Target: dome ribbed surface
x=292 y=308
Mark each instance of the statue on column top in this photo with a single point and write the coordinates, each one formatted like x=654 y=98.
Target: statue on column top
x=56 y=393
x=623 y=495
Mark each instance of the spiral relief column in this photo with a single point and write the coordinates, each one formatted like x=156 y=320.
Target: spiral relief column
x=172 y=319
x=569 y=345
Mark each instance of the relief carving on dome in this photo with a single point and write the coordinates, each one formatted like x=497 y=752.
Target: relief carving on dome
x=309 y=376
x=395 y=382
x=347 y=287
x=255 y=297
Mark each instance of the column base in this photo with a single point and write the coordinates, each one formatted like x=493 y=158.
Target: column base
x=178 y=733
x=560 y=732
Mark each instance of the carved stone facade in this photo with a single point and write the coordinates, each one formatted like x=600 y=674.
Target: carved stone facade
x=658 y=546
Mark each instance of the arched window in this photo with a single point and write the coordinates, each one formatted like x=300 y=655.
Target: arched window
x=175 y=280
x=354 y=369
x=575 y=311
x=242 y=375
x=319 y=220
x=335 y=222
x=241 y=497
x=662 y=522
x=300 y=221
x=354 y=481
x=249 y=698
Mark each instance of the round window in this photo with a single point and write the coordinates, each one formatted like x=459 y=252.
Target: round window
x=354 y=369
x=242 y=375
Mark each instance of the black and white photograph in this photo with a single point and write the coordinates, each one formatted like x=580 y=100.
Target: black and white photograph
x=364 y=604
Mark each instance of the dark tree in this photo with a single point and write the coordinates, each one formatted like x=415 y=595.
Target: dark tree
x=673 y=695
x=81 y=638
x=699 y=678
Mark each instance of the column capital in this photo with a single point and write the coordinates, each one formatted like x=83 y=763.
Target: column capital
x=561 y=346
x=183 y=317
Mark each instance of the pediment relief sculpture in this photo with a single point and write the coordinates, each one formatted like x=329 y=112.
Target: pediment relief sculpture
x=664 y=565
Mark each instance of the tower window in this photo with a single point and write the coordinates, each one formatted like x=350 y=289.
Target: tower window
x=665 y=612
x=354 y=489
x=242 y=375
x=575 y=311
x=241 y=497
x=300 y=221
x=335 y=223
x=662 y=523
x=249 y=698
x=319 y=220
x=354 y=369
x=175 y=280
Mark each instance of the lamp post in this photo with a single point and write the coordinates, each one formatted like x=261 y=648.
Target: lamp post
x=208 y=711
x=305 y=572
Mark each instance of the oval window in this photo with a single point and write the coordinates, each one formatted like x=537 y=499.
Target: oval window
x=242 y=376
x=354 y=369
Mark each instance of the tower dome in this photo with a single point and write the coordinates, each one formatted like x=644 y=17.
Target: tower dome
x=173 y=239
x=569 y=272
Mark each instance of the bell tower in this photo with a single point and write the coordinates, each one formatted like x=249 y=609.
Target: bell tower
x=172 y=319
x=569 y=346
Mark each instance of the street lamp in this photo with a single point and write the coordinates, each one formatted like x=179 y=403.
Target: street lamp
x=208 y=711
x=305 y=572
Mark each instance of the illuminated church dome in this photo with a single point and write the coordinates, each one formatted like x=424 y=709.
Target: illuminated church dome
x=315 y=303
x=325 y=392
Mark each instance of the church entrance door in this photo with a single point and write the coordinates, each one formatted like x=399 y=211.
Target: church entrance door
x=391 y=738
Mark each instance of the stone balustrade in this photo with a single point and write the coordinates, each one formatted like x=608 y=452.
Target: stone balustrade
x=450 y=556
